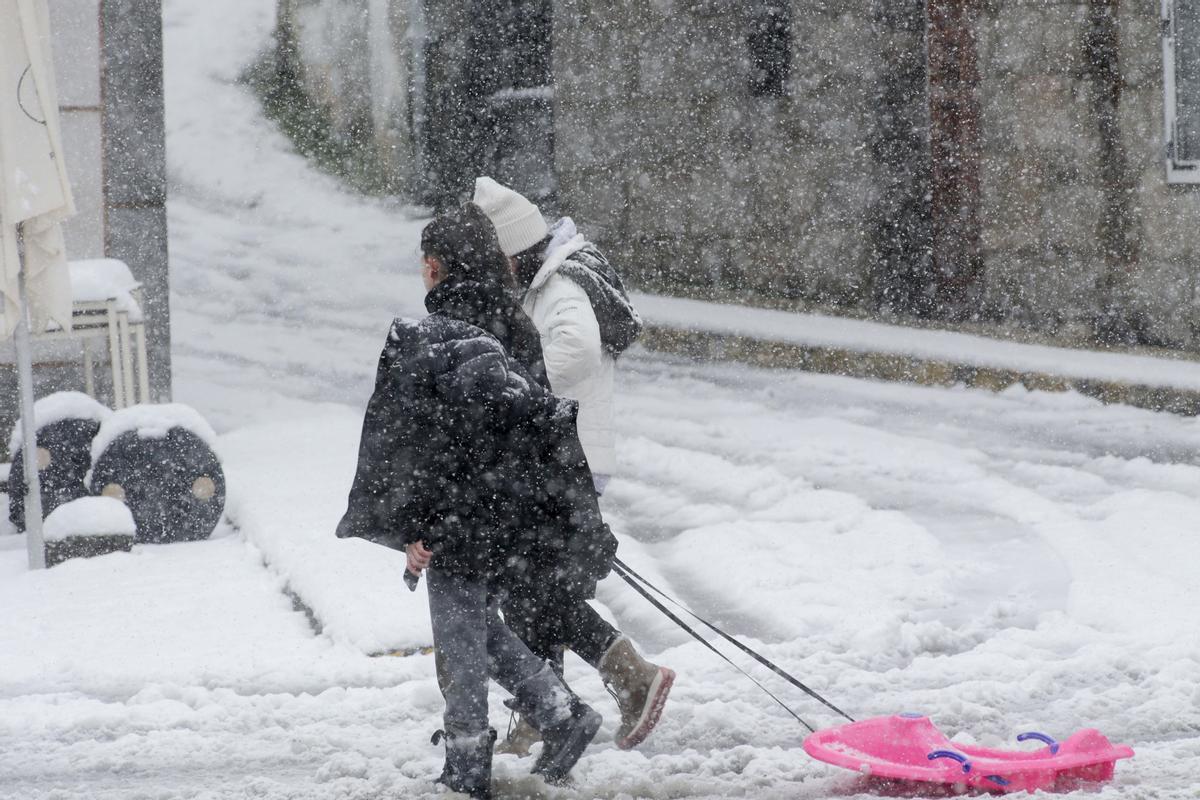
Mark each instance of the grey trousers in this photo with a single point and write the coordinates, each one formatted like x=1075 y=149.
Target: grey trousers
x=471 y=643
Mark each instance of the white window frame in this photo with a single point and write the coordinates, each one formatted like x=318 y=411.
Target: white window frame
x=1178 y=171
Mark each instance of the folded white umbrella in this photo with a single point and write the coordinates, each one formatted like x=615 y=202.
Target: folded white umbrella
x=36 y=196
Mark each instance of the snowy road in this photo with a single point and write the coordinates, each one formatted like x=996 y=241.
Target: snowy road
x=1002 y=562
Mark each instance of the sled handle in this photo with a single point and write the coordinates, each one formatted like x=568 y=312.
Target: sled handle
x=1041 y=737
x=996 y=779
x=959 y=757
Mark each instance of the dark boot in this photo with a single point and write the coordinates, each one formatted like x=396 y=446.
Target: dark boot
x=565 y=742
x=468 y=767
x=567 y=724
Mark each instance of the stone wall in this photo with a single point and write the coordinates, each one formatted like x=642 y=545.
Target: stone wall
x=108 y=68
x=1045 y=192
x=1164 y=280
x=822 y=195
x=666 y=153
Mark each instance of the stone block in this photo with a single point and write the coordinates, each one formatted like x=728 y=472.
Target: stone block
x=730 y=133
x=1168 y=218
x=834 y=50
x=599 y=134
x=1062 y=38
x=692 y=56
x=831 y=265
x=1001 y=276
x=679 y=131
x=1040 y=382
x=900 y=15
x=662 y=261
x=86 y=547
x=834 y=114
x=701 y=9
x=1070 y=215
x=595 y=11
x=997 y=120
x=1141 y=48
x=1060 y=283
x=595 y=59
x=1007 y=292
x=87 y=527
x=717 y=206
x=1011 y=209
x=619 y=250
x=842 y=187
x=1050 y=111
x=716 y=262
x=1168 y=308
x=994 y=380
x=1140 y=117
x=658 y=205
x=1010 y=41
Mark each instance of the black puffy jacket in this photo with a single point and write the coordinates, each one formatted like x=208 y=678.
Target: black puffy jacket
x=461 y=448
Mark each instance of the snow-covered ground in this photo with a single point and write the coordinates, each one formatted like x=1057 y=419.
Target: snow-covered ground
x=1002 y=562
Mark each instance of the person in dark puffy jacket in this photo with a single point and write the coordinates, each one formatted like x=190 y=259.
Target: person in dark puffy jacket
x=578 y=304
x=469 y=464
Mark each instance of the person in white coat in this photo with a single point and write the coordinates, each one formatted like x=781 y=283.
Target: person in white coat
x=583 y=315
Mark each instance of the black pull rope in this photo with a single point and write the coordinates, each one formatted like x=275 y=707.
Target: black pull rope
x=670 y=615
x=625 y=572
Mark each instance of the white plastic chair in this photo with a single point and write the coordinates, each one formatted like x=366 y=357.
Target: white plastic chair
x=107 y=305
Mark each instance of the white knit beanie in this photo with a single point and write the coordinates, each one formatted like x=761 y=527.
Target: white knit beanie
x=519 y=224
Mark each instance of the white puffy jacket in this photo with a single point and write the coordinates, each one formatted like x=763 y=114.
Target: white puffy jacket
x=576 y=364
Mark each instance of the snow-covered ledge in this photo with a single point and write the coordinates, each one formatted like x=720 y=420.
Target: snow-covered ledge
x=882 y=351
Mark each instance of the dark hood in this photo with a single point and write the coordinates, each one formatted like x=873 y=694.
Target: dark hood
x=490 y=306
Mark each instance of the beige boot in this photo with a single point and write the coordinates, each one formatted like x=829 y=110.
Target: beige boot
x=522 y=737
x=640 y=689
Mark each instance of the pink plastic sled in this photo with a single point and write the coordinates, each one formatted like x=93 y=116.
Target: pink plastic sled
x=908 y=748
